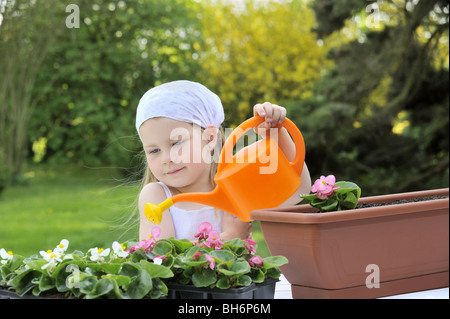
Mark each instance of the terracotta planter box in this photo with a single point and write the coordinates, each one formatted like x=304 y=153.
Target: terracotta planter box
x=328 y=253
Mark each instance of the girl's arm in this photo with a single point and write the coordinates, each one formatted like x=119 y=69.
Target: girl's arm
x=274 y=114
x=154 y=193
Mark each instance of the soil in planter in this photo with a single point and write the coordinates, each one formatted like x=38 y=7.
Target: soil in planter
x=396 y=202
x=402 y=201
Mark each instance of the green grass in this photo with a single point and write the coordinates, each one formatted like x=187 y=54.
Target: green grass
x=88 y=207
x=84 y=206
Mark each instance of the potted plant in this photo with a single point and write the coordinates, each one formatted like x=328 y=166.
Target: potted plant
x=165 y=268
x=387 y=245
x=212 y=269
x=98 y=273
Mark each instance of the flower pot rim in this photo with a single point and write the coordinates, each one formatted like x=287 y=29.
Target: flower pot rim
x=305 y=214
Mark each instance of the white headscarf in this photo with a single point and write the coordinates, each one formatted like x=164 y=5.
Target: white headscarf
x=182 y=100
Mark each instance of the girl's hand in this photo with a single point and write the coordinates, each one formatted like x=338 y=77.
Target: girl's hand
x=273 y=114
x=233 y=227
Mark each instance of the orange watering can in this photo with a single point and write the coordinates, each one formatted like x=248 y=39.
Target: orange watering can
x=244 y=181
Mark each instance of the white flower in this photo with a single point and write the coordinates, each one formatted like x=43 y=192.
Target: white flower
x=5 y=255
x=119 y=250
x=53 y=257
x=157 y=261
x=62 y=247
x=99 y=253
x=50 y=255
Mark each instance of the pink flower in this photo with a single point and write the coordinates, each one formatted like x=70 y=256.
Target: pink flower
x=211 y=261
x=256 y=261
x=203 y=230
x=324 y=186
x=214 y=239
x=147 y=244
x=156 y=232
x=197 y=255
x=249 y=245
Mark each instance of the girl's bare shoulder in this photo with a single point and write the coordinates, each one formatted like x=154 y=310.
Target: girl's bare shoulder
x=152 y=193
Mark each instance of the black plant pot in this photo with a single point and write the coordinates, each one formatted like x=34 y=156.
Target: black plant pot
x=265 y=290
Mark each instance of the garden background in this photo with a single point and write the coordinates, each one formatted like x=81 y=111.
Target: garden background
x=365 y=81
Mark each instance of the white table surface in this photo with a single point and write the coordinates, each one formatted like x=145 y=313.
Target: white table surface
x=283 y=291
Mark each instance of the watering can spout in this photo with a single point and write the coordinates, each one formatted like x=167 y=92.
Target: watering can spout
x=215 y=198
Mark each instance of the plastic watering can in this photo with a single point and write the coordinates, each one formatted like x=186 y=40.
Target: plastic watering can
x=241 y=184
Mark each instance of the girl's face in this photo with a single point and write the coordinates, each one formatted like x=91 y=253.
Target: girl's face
x=175 y=152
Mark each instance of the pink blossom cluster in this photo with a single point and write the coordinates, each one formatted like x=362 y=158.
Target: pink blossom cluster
x=255 y=261
x=324 y=186
x=147 y=245
x=207 y=237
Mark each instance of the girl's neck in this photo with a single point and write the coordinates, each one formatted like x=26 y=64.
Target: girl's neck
x=192 y=188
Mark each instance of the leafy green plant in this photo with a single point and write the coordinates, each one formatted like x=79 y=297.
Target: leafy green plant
x=107 y=273
x=329 y=195
x=141 y=271
x=213 y=263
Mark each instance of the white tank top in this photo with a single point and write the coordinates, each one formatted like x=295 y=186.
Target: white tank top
x=186 y=222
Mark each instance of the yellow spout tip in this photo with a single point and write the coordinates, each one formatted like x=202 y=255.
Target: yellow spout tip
x=153 y=213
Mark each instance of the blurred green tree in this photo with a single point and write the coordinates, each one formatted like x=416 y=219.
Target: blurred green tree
x=256 y=51
x=99 y=72
x=26 y=34
x=380 y=115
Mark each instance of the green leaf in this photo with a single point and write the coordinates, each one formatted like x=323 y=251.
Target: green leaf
x=223 y=283
x=204 y=277
x=181 y=245
x=273 y=273
x=163 y=248
x=239 y=267
x=101 y=288
x=120 y=280
x=274 y=261
x=191 y=251
x=137 y=256
x=25 y=281
x=308 y=197
x=64 y=270
x=109 y=268
x=156 y=271
x=46 y=283
x=36 y=264
x=243 y=280
x=257 y=275
x=16 y=262
x=329 y=207
x=140 y=286
x=221 y=256
x=130 y=270
x=159 y=288
x=87 y=284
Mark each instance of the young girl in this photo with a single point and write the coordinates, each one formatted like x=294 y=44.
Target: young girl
x=184 y=117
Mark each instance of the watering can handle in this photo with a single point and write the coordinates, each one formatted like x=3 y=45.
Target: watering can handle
x=297 y=136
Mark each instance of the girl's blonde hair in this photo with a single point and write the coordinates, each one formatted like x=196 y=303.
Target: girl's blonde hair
x=148 y=176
